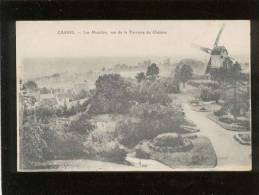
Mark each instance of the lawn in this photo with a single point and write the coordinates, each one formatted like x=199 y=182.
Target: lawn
x=202 y=155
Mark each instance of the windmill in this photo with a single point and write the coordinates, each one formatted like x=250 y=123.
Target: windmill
x=219 y=57
x=218 y=54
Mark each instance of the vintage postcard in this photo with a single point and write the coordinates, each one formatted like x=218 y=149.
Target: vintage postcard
x=133 y=95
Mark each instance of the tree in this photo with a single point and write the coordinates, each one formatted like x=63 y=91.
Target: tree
x=82 y=94
x=234 y=72
x=152 y=71
x=186 y=73
x=234 y=76
x=140 y=76
x=229 y=74
x=31 y=85
x=112 y=95
x=177 y=76
x=218 y=74
x=183 y=74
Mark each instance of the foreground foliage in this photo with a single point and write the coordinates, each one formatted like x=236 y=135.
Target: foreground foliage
x=103 y=146
x=153 y=120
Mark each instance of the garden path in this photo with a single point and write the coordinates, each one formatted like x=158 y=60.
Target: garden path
x=230 y=154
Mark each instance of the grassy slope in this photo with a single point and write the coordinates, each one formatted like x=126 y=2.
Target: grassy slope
x=201 y=155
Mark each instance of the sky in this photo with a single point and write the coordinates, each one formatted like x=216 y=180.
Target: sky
x=41 y=39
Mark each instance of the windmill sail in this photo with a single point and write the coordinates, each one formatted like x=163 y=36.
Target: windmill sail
x=205 y=49
x=219 y=34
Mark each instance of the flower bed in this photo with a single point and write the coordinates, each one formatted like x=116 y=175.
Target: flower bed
x=190 y=129
x=243 y=138
x=232 y=127
x=200 y=154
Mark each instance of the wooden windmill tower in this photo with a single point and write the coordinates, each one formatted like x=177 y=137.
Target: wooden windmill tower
x=218 y=54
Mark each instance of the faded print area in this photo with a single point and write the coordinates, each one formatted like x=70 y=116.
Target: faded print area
x=174 y=99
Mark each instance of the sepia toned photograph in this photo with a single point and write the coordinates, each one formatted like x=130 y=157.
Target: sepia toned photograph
x=133 y=95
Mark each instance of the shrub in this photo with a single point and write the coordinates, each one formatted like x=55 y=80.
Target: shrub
x=153 y=92
x=153 y=120
x=82 y=94
x=226 y=119
x=140 y=76
x=208 y=94
x=172 y=86
x=44 y=143
x=64 y=146
x=141 y=153
x=168 y=139
x=47 y=142
x=33 y=144
x=116 y=95
x=44 y=114
x=82 y=125
x=220 y=112
x=245 y=137
x=142 y=150
x=193 y=83
x=64 y=111
x=204 y=83
x=28 y=114
x=243 y=122
x=129 y=133
x=113 y=152
x=158 y=112
x=53 y=142
x=102 y=146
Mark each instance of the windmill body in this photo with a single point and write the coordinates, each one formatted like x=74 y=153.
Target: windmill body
x=218 y=54
x=217 y=58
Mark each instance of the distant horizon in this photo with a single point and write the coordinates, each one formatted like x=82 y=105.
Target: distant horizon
x=43 y=66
